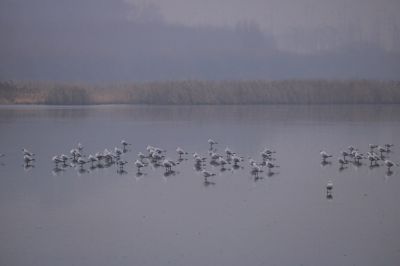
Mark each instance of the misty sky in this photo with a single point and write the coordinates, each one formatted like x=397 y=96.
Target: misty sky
x=209 y=39
x=279 y=15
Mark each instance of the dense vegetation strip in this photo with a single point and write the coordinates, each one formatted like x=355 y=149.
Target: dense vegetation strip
x=204 y=92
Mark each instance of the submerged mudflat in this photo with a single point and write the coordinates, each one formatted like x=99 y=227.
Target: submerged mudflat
x=102 y=216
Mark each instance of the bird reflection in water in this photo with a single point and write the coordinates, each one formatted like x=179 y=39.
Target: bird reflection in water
x=57 y=171
x=82 y=171
x=271 y=173
x=122 y=171
x=329 y=195
x=28 y=167
x=329 y=190
x=207 y=182
x=388 y=174
x=170 y=173
x=258 y=178
x=325 y=163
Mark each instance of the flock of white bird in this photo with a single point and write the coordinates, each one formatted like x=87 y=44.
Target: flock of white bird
x=157 y=157
x=377 y=154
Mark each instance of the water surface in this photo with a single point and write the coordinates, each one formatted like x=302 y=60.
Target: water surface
x=102 y=217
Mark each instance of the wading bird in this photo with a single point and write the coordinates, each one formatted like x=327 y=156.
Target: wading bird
x=388 y=147
x=81 y=162
x=80 y=147
x=212 y=142
x=324 y=156
x=125 y=144
x=255 y=169
x=222 y=162
x=121 y=164
x=389 y=164
x=344 y=154
x=381 y=151
x=27 y=153
x=28 y=160
x=180 y=152
x=92 y=159
x=139 y=165
x=372 y=147
x=207 y=174
x=168 y=165
x=271 y=165
x=56 y=160
x=342 y=162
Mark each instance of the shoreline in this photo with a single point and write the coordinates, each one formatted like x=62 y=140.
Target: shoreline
x=191 y=92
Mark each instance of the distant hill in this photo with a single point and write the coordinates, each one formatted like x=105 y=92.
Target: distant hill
x=204 y=92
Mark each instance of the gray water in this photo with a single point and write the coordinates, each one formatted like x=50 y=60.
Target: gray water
x=102 y=217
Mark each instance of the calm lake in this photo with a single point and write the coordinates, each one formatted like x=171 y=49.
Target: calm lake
x=102 y=216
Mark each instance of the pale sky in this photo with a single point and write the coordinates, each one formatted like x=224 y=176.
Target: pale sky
x=164 y=40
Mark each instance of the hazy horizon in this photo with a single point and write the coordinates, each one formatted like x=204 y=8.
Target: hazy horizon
x=136 y=40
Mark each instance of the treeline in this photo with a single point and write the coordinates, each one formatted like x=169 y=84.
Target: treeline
x=204 y=92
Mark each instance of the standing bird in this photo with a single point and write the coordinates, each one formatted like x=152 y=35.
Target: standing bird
x=81 y=162
x=229 y=153
x=236 y=159
x=270 y=166
x=99 y=156
x=344 y=154
x=267 y=154
x=255 y=169
x=75 y=154
x=121 y=164
x=198 y=156
x=80 y=147
x=28 y=160
x=324 y=156
x=27 y=153
x=388 y=147
x=92 y=159
x=342 y=162
x=373 y=158
x=108 y=157
x=351 y=148
x=214 y=156
x=180 y=152
x=207 y=174
x=212 y=142
x=198 y=162
x=357 y=157
x=139 y=165
x=64 y=158
x=222 y=162
x=141 y=156
x=56 y=160
x=125 y=144
x=389 y=164
x=168 y=165
x=372 y=147
x=381 y=150
x=118 y=152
